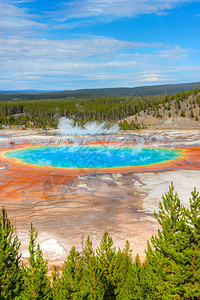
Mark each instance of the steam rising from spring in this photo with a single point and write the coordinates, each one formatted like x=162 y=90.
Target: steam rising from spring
x=66 y=127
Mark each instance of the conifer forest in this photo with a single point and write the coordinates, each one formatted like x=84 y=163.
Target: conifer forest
x=171 y=269
x=45 y=113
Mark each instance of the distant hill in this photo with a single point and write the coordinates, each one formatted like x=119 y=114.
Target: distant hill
x=115 y=92
x=141 y=91
x=18 y=92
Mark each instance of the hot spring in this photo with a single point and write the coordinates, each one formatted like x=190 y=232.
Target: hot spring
x=92 y=157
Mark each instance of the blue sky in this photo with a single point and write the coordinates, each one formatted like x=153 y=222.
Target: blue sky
x=52 y=45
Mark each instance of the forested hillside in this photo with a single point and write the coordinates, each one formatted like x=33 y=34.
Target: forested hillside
x=46 y=113
x=183 y=110
x=154 y=90
x=171 y=269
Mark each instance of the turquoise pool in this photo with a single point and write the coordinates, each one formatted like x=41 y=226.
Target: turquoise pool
x=80 y=157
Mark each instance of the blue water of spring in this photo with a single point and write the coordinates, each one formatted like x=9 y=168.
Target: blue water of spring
x=77 y=156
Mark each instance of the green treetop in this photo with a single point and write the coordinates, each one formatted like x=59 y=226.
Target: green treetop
x=10 y=276
x=36 y=283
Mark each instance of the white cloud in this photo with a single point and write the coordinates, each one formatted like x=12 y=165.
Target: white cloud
x=67 y=49
x=152 y=79
x=21 y=1
x=14 y=19
x=174 y=53
x=41 y=63
x=117 y=8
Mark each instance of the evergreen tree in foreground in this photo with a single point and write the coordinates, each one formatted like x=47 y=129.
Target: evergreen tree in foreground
x=174 y=260
x=91 y=285
x=106 y=259
x=191 y=287
x=171 y=269
x=36 y=283
x=56 y=284
x=10 y=276
x=71 y=276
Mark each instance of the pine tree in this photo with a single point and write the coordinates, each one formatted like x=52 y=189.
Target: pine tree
x=36 y=283
x=191 y=286
x=91 y=286
x=122 y=272
x=106 y=258
x=10 y=274
x=56 y=284
x=71 y=276
x=166 y=260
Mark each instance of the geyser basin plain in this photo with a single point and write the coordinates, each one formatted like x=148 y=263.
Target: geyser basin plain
x=93 y=157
